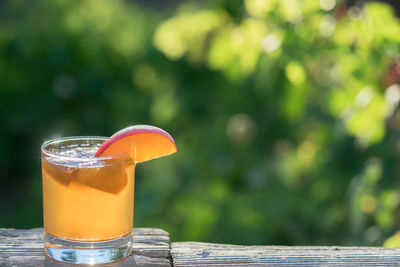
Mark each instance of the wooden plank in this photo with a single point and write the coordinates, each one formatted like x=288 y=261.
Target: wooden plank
x=42 y=261
x=25 y=248
x=186 y=254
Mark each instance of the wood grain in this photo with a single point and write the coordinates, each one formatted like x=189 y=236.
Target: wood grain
x=186 y=254
x=151 y=248
x=25 y=248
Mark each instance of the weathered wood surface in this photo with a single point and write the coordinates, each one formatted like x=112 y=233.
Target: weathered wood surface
x=206 y=254
x=151 y=248
x=25 y=248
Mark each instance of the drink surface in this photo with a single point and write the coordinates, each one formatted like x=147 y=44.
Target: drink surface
x=87 y=199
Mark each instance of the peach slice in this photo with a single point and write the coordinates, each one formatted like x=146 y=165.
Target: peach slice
x=142 y=142
x=60 y=173
x=111 y=179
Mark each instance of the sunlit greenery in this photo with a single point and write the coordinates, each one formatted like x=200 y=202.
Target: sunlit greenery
x=285 y=113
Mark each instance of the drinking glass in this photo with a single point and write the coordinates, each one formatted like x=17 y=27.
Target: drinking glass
x=87 y=201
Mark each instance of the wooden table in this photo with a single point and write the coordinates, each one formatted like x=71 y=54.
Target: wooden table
x=152 y=247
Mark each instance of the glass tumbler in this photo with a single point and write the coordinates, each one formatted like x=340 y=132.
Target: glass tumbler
x=87 y=201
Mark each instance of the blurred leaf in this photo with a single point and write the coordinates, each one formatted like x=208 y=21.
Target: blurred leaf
x=186 y=32
x=393 y=241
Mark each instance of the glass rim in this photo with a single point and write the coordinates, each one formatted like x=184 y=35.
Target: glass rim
x=70 y=138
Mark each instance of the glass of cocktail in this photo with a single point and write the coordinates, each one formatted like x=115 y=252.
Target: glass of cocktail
x=88 y=192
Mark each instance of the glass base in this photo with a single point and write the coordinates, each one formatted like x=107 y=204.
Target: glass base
x=87 y=252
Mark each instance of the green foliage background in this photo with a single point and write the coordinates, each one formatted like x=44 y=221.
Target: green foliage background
x=285 y=113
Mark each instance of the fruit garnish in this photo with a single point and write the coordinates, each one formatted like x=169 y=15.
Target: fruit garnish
x=142 y=142
x=61 y=173
x=99 y=178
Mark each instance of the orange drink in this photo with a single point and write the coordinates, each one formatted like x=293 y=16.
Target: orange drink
x=86 y=199
x=88 y=192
